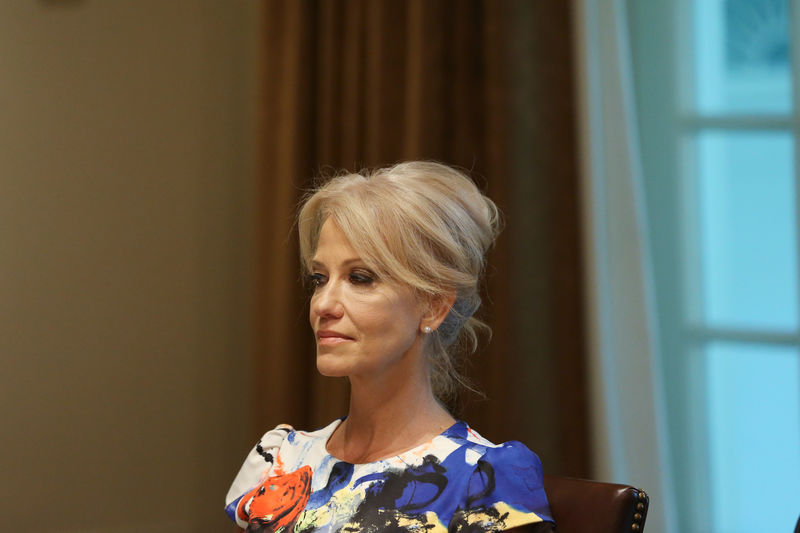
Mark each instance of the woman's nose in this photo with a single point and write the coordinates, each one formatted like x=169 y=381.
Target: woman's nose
x=326 y=301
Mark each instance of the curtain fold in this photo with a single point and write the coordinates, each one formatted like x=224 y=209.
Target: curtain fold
x=629 y=424
x=480 y=84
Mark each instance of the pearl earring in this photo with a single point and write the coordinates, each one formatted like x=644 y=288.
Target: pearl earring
x=427 y=329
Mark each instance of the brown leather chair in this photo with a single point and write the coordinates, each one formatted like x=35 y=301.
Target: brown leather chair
x=583 y=506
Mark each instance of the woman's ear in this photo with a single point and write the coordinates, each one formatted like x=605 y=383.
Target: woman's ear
x=437 y=310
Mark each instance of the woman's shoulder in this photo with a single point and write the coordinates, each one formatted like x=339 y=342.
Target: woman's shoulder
x=514 y=453
x=510 y=457
x=506 y=477
x=511 y=452
x=285 y=433
x=274 y=437
x=280 y=448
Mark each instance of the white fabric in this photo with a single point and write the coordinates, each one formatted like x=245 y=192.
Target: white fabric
x=628 y=417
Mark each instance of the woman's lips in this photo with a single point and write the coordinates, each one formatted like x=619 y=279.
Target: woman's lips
x=330 y=338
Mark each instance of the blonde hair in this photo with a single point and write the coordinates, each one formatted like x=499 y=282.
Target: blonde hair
x=422 y=224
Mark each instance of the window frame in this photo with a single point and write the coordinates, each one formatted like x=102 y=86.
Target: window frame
x=676 y=253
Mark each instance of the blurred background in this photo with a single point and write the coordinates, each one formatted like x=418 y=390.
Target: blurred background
x=643 y=296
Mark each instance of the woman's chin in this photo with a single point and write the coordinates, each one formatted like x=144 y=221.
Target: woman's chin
x=331 y=366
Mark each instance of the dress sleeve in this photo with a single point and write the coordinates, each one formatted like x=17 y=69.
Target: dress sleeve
x=255 y=469
x=506 y=490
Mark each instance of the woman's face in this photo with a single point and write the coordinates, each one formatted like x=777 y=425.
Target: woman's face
x=364 y=326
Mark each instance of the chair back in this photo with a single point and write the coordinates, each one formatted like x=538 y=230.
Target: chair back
x=583 y=506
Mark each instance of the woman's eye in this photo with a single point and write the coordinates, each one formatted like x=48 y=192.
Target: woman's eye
x=315 y=280
x=361 y=278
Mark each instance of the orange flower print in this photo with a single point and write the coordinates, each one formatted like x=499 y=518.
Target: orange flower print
x=275 y=504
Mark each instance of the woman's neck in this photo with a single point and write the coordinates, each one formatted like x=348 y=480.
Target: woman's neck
x=387 y=418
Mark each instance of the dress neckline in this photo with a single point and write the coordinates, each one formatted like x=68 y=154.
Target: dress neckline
x=449 y=432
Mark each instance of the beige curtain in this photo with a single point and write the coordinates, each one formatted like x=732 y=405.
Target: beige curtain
x=485 y=85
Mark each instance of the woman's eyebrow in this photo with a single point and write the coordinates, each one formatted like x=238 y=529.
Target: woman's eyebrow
x=346 y=262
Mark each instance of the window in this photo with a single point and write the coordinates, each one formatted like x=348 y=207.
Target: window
x=718 y=100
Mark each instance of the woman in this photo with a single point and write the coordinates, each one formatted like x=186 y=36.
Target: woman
x=394 y=258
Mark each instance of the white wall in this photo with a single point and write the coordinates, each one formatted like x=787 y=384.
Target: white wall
x=126 y=176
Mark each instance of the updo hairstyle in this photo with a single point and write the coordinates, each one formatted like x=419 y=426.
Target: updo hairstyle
x=421 y=224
